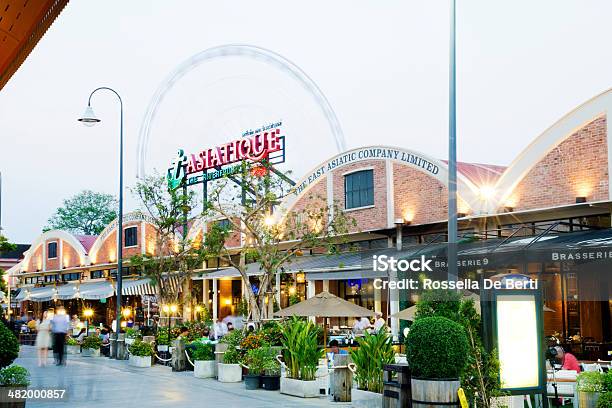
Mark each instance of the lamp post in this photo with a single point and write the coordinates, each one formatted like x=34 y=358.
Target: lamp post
x=452 y=156
x=90 y=119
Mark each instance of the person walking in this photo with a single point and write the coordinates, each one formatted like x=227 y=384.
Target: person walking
x=59 y=326
x=43 y=339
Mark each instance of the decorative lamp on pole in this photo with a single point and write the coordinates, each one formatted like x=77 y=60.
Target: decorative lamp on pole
x=90 y=119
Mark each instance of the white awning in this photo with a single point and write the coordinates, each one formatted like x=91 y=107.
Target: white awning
x=227 y=273
x=137 y=287
x=42 y=294
x=346 y=274
x=96 y=290
x=66 y=292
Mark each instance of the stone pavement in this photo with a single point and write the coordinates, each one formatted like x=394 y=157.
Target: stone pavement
x=102 y=382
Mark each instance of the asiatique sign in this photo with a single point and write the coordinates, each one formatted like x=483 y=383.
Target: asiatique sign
x=213 y=163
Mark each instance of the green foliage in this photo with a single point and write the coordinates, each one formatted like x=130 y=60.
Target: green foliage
x=132 y=333
x=590 y=381
x=301 y=351
x=255 y=359
x=440 y=303
x=72 y=342
x=437 y=347
x=163 y=336
x=243 y=308
x=86 y=213
x=374 y=351
x=14 y=376
x=272 y=333
x=9 y=346
x=231 y=356
x=607 y=381
x=294 y=299
x=196 y=329
x=92 y=342
x=202 y=351
x=233 y=339
x=141 y=349
x=5 y=245
x=605 y=400
x=270 y=364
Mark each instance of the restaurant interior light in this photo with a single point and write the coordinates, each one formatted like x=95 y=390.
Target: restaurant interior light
x=173 y=308
x=126 y=312
x=292 y=290
x=89 y=118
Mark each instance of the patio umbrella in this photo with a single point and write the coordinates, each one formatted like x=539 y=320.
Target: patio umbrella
x=325 y=305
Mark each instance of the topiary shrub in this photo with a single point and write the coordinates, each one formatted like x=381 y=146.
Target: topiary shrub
x=437 y=348
x=605 y=400
x=9 y=346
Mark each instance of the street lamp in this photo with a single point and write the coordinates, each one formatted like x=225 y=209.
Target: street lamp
x=90 y=119
x=452 y=156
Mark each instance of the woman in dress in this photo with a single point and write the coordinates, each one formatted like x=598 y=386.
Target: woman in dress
x=43 y=340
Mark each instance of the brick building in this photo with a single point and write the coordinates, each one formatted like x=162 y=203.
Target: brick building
x=553 y=198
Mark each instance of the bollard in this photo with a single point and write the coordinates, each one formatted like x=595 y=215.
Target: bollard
x=342 y=378
x=121 y=350
x=179 y=360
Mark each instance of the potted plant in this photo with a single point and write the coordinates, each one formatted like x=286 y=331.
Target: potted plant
x=605 y=400
x=270 y=378
x=589 y=386
x=203 y=355
x=17 y=379
x=72 y=346
x=140 y=354
x=301 y=354
x=374 y=351
x=9 y=346
x=131 y=335
x=254 y=361
x=230 y=370
x=437 y=350
x=91 y=346
x=163 y=339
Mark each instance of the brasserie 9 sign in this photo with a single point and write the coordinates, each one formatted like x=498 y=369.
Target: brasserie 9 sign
x=213 y=163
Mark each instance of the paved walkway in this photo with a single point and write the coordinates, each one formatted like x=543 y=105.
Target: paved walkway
x=99 y=381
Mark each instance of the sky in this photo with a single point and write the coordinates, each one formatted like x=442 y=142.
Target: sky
x=383 y=66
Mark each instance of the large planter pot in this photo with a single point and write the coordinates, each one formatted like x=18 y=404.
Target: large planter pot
x=229 y=372
x=270 y=382
x=251 y=381
x=587 y=399
x=365 y=399
x=16 y=403
x=140 y=361
x=299 y=388
x=87 y=352
x=204 y=368
x=73 y=349
x=434 y=392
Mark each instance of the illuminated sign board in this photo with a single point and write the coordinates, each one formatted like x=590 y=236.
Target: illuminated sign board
x=519 y=339
x=213 y=163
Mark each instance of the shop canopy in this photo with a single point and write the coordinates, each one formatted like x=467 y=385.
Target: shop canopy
x=137 y=287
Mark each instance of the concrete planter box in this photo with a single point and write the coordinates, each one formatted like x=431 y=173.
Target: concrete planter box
x=73 y=349
x=86 y=352
x=229 y=372
x=204 y=368
x=299 y=388
x=366 y=399
x=140 y=361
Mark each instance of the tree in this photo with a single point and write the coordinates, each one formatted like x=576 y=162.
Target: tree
x=5 y=246
x=174 y=254
x=86 y=213
x=271 y=239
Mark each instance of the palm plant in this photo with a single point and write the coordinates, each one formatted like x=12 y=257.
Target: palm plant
x=374 y=351
x=301 y=350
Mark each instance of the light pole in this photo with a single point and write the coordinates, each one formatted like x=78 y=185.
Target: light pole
x=90 y=119
x=452 y=156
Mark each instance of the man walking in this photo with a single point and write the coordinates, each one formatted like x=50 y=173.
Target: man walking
x=59 y=327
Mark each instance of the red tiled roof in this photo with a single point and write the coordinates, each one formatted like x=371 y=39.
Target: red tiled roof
x=87 y=241
x=480 y=174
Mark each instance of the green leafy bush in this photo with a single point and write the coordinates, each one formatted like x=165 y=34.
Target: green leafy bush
x=301 y=351
x=14 y=376
x=72 y=342
x=92 y=342
x=163 y=336
x=590 y=381
x=605 y=400
x=374 y=351
x=270 y=364
x=141 y=349
x=231 y=356
x=202 y=351
x=439 y=303
x=9 y=346
x=437 y=348
x=233 y=339
x=607 y=382
x=196 y=330
x=255 y=359
x=272 y=333
x=132 y=333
